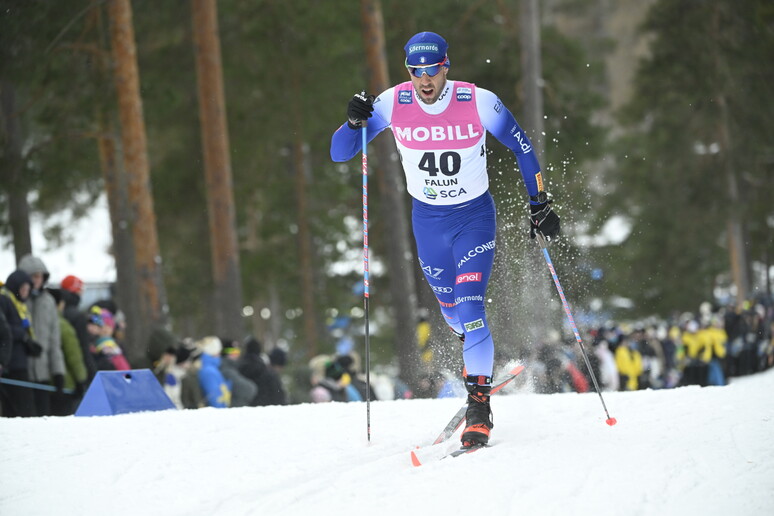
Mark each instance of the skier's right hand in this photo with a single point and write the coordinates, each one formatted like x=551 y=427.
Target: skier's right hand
x=360 y=108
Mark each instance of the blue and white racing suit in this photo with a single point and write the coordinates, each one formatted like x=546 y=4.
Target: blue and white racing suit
x=443 y=153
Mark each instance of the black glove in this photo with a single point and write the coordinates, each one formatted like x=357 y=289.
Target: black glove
x=33 y=348
x=360 y=108
x=542 y=218
x=58 y=381
x=80 y=388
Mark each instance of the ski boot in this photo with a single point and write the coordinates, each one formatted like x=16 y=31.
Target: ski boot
x=479 y=413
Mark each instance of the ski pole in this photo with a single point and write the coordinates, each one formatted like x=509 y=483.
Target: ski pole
x=544 y=246
x=366 y=281
x=31 y=385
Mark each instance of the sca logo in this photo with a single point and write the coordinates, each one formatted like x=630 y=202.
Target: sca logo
x=474 y=325
x=429 y=193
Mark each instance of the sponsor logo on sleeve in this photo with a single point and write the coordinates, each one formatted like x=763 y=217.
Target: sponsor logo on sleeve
x=539 y=180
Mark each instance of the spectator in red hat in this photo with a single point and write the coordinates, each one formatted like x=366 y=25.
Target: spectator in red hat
x=72 y=287
x=73 y=284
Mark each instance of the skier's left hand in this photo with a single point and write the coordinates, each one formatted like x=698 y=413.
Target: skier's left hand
x=543 y=220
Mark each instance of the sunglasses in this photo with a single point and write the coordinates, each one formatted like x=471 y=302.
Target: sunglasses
x=431 y=70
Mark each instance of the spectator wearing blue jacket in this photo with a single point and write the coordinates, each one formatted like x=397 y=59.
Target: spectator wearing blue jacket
x=216 y=390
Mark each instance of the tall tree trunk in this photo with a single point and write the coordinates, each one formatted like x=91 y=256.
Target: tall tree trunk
x=301 y=173
x=529 y=23
x=734 y=223
x=127 y=292
x=15 y=187
x=532 y=289
x=109 y=147
x=143 y=219
x=388 y=173
x=539 y=288
x=217 y=163
x=734 y=226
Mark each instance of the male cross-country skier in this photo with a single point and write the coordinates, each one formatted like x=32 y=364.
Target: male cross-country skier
x=440 y=129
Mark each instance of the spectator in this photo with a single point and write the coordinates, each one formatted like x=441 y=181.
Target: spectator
x=75 y=368
x=49 y=367
x=423 y=339
x=18 y=401
x=608 y=371
x=695 y=372
x=191 y=394
x=356 y=386
x=715 y=352
x=325 y=379
x=339 y=380
x=243 y=390
x=6 y=342
x=107 y=352
x=164 y=363
x=629 y=362
x=161 y=351
x=72 y=288
x=275 y=393
x=267 y=377
x=669 y=347
x=253 y=366
x=176 y=372
x=557 y=372
x=216 y=391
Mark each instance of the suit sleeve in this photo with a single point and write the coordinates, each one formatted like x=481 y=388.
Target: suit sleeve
x=346 y=142
x=500 y=122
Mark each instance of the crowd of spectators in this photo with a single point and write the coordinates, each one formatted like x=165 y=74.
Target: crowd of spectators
x=51 y=348
x=703 y=348
x=222 y=373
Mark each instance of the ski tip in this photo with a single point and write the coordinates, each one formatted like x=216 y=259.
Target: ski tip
x=518 y=369
x=611 y=421
x=415 y=460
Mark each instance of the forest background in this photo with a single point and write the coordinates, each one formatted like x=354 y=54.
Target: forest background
x=656 y=117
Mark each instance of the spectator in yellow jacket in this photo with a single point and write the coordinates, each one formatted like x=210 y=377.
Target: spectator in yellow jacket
x=715 y=339
x=714 y=351
x=629 y=362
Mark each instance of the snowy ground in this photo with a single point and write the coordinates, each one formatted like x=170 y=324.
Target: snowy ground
x=689 y=451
